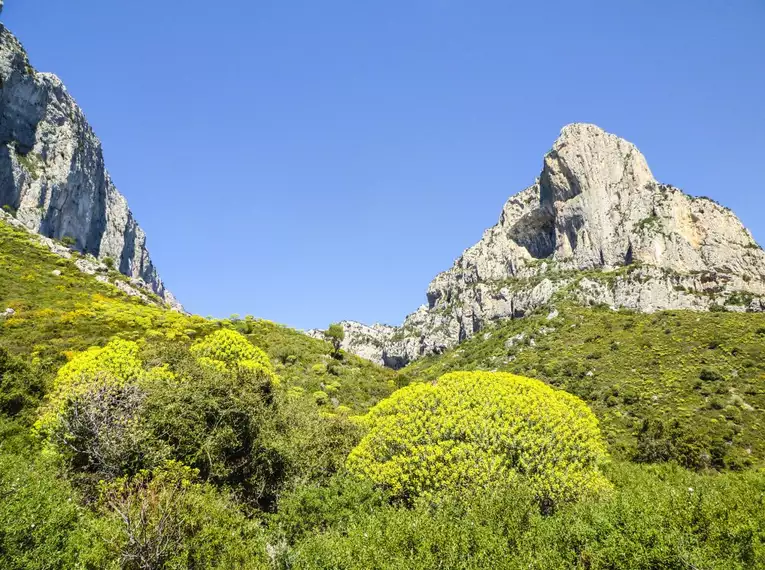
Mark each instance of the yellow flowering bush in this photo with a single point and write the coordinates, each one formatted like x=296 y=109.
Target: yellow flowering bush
x=115 y=364
x=230 y=348
x=226 y=349
x=468 y=429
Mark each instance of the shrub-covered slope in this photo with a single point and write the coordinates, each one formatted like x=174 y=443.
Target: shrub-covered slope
x=674 y=384
x=176 y=444
x=58 y=309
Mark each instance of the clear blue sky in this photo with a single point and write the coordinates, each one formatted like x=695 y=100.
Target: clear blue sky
x=308 y=161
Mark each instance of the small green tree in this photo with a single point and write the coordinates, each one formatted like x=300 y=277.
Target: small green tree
x=335 y=335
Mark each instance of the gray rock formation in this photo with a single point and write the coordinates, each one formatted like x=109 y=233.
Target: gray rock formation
x=90 y=265
x=597 y=228
x=365 y=341
x=52 y=173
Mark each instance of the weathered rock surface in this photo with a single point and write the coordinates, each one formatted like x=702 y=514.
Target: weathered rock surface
x=90 y=265
x=596 y=227
x=52 y=173
x=363 y=340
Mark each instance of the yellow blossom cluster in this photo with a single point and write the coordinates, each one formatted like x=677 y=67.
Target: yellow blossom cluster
x=468 y=429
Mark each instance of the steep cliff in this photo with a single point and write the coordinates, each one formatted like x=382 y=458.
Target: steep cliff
x=52 y=173
x=597 y=228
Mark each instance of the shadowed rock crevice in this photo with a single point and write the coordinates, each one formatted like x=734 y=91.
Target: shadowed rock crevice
x=128 y=254
x=536 y=233
x=9 y=194
x=629 y=256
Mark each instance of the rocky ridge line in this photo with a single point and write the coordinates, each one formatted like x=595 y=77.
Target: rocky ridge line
x=596 y=228
x=52 y=173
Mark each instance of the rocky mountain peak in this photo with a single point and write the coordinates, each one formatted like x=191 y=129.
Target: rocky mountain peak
x=53 y=179
x=596 y=227
x=587 y=160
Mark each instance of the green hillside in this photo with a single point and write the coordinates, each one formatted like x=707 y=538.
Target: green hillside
x=133 y=437
x=702 y=375
x=57 y=314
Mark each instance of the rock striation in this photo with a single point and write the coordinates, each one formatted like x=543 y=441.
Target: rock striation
x=595 y=228
x=52 y=173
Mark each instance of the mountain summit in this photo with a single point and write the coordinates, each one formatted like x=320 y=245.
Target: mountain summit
x=52 y=173
x=596 y=228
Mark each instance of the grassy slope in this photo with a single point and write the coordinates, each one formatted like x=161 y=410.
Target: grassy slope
x=641 y=366
x=628 y=366
x=705 y=369
x=72 y=311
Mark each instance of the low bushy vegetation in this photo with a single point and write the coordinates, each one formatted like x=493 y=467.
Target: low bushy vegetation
x=136 y=437
x=656 y=517
x=675 y=385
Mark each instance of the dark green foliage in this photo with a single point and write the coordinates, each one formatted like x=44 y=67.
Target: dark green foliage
x=708 y=363
x=167 y=519
x=42 y=524
x=21 y=389
x=710 y=375
x=220 y=425
x=664 y=518
x=658 y=442
x=335 y=335
x=312 y=509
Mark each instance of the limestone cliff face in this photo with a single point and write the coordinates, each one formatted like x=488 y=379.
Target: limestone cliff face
x=596 y=227
x=52 y=173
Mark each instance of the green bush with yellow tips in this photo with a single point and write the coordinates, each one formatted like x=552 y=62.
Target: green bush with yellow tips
x=469 y=429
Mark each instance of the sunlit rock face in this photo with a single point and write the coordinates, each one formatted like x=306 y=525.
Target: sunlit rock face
x=52 y=173
x=596 y=227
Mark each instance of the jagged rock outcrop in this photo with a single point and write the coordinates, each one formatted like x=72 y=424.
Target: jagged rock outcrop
x=596 y=227
x=52 y=173
x=363 y=340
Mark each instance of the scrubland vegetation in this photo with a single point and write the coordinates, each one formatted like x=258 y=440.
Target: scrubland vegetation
x=135 y=437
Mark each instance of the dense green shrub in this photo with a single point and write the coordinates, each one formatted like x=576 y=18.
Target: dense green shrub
x=657 y=517
x=254 y=442
x=167 y=519
x=219 y=423
x=313 y=443
x=710 y=375
x=42 y=524
x=471 y=428
x=314 y=508
x=21 y=389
